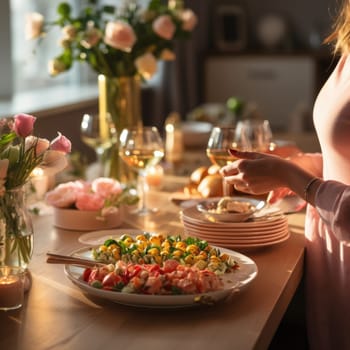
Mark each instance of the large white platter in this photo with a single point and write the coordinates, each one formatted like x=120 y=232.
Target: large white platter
x=234 y=282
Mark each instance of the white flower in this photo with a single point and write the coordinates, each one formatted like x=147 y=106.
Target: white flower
x=56 y=66
x=167 y=55
x=146 y=65
x=69 y=32
x=189 y=19
x=41 y=144
x=33 y=25
x=53 y=162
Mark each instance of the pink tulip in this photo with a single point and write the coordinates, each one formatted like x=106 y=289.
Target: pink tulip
x=89 y=201
x=120 y=35
x=23 y=125
x=164 y=27
x=61 y=143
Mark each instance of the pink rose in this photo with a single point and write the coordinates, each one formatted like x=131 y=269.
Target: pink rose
x=120 y=35
x=91 y=36
x=61 y=143
x=106 y=187
x=164 y=27
x=89 y=201
x=65 y=195
x=33 y=25
x=146 y=65
x=23 y=125
x=189 y=20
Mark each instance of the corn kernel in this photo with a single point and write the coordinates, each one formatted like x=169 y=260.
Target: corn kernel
x=193 y=249
x=181 y=246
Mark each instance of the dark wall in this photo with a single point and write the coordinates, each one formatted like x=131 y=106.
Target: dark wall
x=305 y=18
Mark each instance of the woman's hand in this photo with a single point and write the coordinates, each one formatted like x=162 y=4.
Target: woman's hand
x=255 y=173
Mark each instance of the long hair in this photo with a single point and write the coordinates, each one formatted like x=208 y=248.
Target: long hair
x=340 y=36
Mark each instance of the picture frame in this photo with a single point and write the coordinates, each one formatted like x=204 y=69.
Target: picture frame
x=230 y=28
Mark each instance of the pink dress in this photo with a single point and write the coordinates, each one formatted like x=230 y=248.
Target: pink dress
x=327 y=226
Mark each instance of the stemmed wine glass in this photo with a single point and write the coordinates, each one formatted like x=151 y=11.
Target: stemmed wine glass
x=257 y=132
x=141 y=148
x=99 y=135
x=220 y=140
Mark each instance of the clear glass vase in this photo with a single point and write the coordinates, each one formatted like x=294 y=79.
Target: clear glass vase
x=121 y=99
x=16 y=229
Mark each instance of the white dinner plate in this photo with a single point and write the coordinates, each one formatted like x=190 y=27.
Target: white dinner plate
x=234 y=282
x=218 y=228
x=191 y=214
x=236 y=238
x=239 y=243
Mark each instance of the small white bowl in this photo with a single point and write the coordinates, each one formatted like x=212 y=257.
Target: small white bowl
x=208 y=208
x=81 y=220
x=196 y=134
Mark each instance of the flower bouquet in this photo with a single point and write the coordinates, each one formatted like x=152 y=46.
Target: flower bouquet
x=116 y=41
x=84 y=205
x=20 y=154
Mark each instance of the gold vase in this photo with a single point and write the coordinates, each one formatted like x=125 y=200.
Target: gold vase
x=121 y=99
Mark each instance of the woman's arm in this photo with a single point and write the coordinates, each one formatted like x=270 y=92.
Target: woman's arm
x=259 y=173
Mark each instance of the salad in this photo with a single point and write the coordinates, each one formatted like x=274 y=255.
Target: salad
x=156 y=264
x=149 y=248
x=169 y=279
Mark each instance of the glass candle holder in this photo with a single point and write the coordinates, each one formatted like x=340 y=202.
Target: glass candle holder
x=11 y=287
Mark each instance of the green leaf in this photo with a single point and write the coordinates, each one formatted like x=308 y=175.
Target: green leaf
x=108 y=9
x=64 y=9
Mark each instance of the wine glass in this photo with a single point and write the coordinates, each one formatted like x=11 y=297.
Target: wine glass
x=141 y=148
x=220 y=140
x=257 y=132
x=100 y=134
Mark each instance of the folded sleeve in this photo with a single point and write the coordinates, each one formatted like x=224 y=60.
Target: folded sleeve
x=332 y=202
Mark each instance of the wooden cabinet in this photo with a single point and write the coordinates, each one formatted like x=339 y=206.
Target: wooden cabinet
x=282 y=87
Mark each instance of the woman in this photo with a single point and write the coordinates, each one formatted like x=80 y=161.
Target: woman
x=324 y=182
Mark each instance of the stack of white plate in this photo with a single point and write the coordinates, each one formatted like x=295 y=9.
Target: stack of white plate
x=262 y=232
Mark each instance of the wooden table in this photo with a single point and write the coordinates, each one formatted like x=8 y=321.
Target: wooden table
x=56 y=315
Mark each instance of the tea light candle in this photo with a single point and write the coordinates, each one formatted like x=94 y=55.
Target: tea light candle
x=40 y=182
x=11 y=290
x=154 y=176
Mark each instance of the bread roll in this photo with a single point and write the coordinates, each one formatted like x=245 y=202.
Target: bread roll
x=211 y=186
x=213 y=169
x=199 y=174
